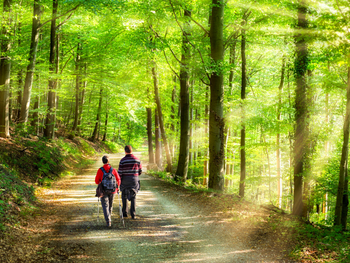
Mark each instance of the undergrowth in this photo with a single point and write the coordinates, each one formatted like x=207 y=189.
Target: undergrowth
x=322 y=244
x=28 y=163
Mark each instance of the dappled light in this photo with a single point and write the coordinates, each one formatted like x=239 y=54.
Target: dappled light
x=165 y=225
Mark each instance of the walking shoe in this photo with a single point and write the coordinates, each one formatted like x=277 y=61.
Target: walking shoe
x=109 y=224
x=125 y=215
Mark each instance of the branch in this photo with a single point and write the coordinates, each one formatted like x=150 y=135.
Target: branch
x=208 y=84
x=158 y=36
x=113 y=39
x=186 y=35
x=342 y=13
x=198 y=24
x=65 y=64
x=206 y=31
x=166 y=58
x=41 y=25
x=234 y=35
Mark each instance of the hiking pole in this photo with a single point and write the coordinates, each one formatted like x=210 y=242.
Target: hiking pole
x=121 y=212
x=98 y=208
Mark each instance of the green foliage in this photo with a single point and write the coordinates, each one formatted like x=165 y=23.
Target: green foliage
x=330 y=244
x=14 y=192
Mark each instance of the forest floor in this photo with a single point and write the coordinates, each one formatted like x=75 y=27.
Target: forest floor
x=172 y=225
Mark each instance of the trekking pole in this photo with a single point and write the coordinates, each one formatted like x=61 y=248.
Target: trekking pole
x=98 y=208
x=121 y=212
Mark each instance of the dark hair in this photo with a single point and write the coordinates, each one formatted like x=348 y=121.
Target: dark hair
x=128 y=149
x=105 y=159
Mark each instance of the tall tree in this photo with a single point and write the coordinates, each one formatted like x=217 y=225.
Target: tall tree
x=160 y=116
x=77 y=87
x=95 y=133
x=243 y=95
x=5 y=68
x=301 y=109
x=51 y=98
x=182 y=167
x=37 y=12
x=157 y=134
x=339 y=206
x=278 y=137
x=216 y=115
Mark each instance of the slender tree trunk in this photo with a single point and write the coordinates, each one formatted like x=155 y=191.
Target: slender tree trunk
x=160 y=116
x=206 y=135
x=232 y=62
x=98 y=118
x=106 y=123
x=344 y=160
x=278 y=150
x=149 y=134
x=344 y=216
x=50 y=118
x=157 y=140
x=173 y=98
x=28 y=83
x=5 y=69
x=243 y=95
x=182 y=167
x=77 y=89
x=190 y=155
x=216 y=116
x=301 y=109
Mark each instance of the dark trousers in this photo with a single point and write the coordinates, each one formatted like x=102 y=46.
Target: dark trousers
x=125 y=204
x=107 y=206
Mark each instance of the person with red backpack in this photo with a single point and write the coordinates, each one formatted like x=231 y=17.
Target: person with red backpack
x=109 y=179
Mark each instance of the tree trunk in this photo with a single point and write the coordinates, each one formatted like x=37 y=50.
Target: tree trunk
x=206 y=131
x=160 y=116
x=344 y=158
x=344 y=216
x=77 y=89
x=50 y=118
x=5 y=69
x=182 y=167
x=173 y=98
x=149 y=134
x=278 y=150
x=98 y=118
x=106 y=123
x=232 y=62
x=28 y=83
x=216 y=116
x=243 y=95
x=301 y=64
x=157 y=140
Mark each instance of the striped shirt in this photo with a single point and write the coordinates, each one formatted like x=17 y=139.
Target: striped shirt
x=129 y=166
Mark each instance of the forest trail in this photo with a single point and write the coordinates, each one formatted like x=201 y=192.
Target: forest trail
x=170 y=226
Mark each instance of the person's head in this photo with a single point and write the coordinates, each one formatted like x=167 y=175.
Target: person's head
x=128 y=149
x=105 y=159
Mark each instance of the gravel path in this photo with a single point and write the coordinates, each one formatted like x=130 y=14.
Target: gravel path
x=170 y=226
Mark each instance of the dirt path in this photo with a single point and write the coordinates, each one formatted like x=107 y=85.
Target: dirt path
x=171 y=225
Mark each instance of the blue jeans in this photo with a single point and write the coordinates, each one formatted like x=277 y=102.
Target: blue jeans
x=107 y=206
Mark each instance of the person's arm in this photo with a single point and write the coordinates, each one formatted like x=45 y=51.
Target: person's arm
x=140 y=169
x=99 y=175
x=120 y=169
x=117 y=177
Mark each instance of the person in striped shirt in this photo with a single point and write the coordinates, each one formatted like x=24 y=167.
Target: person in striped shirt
x=130 y=169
